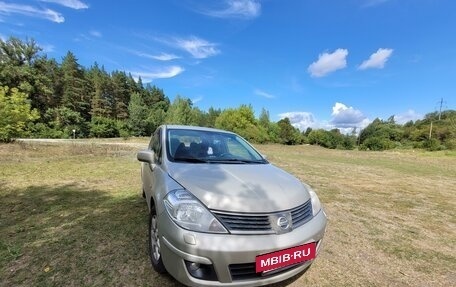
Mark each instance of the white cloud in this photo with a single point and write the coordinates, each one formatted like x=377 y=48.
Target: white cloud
x=301 y=120
x=197 y=99
x=377 y=60
x=343 y=118
x=167 y=72
x=261 y=93
x=160 y=57
x=328 y=63
x=245 y=9
x=73 y=4
x=48 y=14
x=47 y=48
x=95 y=33
x=347 y=117
x=409 y=115
x=197 y=47
x=165 y=57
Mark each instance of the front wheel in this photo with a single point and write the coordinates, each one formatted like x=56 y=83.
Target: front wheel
x=154 y=243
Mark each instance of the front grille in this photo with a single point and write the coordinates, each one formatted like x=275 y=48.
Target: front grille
x=301 y=214
x=260 y=223
x=243 y=271
x=248 y=223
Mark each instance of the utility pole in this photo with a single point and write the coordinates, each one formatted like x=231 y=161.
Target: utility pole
x=440 y=116
x=359 y=137
x=440 y=110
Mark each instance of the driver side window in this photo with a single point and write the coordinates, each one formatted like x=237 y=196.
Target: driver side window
x=155 y=145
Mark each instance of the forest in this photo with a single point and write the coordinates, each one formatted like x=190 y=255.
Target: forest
x=41 y=97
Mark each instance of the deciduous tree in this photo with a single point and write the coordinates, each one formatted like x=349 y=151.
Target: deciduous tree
x=15 y=113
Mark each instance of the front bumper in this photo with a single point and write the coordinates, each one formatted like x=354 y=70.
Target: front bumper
x=223 y=251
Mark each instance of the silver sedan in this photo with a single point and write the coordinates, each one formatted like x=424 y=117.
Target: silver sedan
x=221 y=214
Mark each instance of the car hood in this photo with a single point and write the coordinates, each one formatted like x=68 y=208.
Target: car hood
x=240 y=187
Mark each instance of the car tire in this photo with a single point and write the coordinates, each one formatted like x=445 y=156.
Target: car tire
x=154 y=243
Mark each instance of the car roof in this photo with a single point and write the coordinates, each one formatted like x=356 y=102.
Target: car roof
x=197 y=128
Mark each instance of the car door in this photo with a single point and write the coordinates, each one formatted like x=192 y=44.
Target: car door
x=150 y=173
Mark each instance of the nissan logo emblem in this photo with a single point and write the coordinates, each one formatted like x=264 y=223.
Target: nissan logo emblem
x=282 y=222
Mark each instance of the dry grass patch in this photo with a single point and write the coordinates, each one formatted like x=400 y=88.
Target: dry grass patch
x=391 y=215
x=71 y=215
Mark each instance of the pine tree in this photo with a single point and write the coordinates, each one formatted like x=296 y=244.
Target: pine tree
x=100 y=91
x=122 y=89
x=138 y=115
x=75 y=94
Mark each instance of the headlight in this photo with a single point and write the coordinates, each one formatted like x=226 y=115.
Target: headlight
x=316 y=205
x=187 y=212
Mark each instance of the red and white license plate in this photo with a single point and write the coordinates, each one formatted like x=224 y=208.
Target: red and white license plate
x=286 y=257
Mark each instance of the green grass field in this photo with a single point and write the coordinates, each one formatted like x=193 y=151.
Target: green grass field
x=72 y=215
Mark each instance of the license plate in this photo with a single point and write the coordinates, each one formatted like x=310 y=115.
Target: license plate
x=285 y=257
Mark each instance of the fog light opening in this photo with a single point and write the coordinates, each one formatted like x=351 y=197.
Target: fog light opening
x=201 y=271
x=193 y=266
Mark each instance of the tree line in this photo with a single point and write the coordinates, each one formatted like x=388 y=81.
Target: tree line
x=43 y=98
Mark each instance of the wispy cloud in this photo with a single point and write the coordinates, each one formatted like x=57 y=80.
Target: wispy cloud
x=95 y=33
x=197 y=99
x=160 y=57
x=328 y=63
x=409 y=115
x=245 y=9
x=164 y=73
x=73 y=4
x=371 y=3
x=27 y=10
x=165 y=57
x=264 y=94
x=197 y=47
x=377 y=60
x=47 y=48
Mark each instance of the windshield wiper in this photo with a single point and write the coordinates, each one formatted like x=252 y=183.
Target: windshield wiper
x=255 y=161
x=190 y=159
x=235 y=160
x=221 y=160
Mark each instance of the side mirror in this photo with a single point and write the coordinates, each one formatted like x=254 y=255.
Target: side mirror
x=146 y=156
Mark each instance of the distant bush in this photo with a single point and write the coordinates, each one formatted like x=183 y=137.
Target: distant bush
x=331 y=139
x=433 y=145
x=376 y=144
x=450 y=143
x=43 y=131
x=101 y=127
x=122 y=127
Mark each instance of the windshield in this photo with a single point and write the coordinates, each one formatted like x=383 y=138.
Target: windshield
x=200 y=146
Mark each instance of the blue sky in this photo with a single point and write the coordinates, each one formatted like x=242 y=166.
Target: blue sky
x=322 y=63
